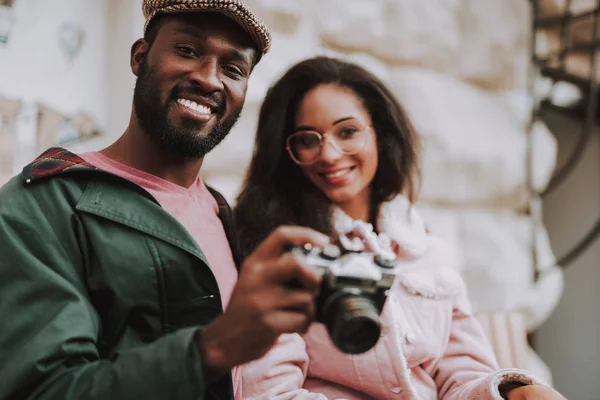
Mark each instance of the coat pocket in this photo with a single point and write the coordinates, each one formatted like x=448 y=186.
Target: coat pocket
x=188 y=292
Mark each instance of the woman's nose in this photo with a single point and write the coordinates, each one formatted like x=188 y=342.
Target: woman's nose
x=330 y=151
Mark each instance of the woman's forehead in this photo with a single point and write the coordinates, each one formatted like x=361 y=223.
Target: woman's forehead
x=326 y=104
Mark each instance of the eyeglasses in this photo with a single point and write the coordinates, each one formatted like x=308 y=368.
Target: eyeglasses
x=348 y=137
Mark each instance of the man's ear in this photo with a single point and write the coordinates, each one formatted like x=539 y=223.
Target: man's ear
x=139 y=51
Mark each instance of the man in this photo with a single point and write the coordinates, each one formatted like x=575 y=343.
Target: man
x=115 y=266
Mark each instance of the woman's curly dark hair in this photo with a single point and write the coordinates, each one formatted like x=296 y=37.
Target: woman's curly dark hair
x=275 y=191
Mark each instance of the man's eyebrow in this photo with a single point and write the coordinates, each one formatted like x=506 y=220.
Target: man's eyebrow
x=233 y=53
x=192 y=32
x=238 y=55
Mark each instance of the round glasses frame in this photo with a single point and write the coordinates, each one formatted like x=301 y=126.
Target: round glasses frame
x=322 y=138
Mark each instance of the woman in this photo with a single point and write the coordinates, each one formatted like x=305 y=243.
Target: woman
x=335 y=151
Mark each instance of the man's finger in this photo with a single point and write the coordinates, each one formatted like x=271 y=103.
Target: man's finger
x=291 y=270
x=288 y=321
x=297 y=301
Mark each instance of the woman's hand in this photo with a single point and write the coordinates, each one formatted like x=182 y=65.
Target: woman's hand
x=534 y=392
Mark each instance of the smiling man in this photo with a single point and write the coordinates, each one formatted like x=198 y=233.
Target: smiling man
x=193 y=72
x=119 y=268
x=192 y=80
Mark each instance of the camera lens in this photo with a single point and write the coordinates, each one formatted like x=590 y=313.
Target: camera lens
x=353 y=323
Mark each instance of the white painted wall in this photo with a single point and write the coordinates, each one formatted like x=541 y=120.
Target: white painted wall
x=569 y=341
x=126 y=23
x=33 y=69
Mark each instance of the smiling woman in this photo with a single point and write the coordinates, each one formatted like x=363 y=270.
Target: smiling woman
x=366 y=152
x=344 y=162
x=352 y=169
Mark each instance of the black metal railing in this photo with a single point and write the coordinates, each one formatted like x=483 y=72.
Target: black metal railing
x=555 y=66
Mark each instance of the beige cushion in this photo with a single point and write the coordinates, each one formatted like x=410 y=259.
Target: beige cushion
x=508 y=336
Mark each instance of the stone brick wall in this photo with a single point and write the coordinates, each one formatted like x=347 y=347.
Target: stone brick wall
x=460 y=69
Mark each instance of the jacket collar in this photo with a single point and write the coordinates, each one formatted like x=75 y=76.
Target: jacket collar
x=55 y=161
x=397 y=222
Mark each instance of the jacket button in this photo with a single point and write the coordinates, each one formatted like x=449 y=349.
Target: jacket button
x=410 y=337
x=397 y=390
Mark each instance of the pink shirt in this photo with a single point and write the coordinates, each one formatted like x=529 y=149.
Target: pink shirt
x=196 y=209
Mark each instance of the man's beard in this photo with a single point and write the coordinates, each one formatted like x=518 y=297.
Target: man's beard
x=183 y=142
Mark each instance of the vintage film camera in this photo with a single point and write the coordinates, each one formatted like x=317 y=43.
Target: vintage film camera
x=354 y=290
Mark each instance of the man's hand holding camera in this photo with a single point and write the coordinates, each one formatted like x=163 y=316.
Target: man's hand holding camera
x=262 y=306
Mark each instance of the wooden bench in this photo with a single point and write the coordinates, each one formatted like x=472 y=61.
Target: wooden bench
x=508 y=336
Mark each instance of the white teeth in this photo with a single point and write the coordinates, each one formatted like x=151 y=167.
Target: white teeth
x=337 y=174
x=195 y=106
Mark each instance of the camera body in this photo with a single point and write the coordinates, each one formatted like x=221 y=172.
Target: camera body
x=354 y=289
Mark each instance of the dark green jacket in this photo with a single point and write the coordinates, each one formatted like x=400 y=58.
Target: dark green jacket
x=101 y=290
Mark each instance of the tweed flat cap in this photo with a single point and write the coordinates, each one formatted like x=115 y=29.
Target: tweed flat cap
x=234 y=9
